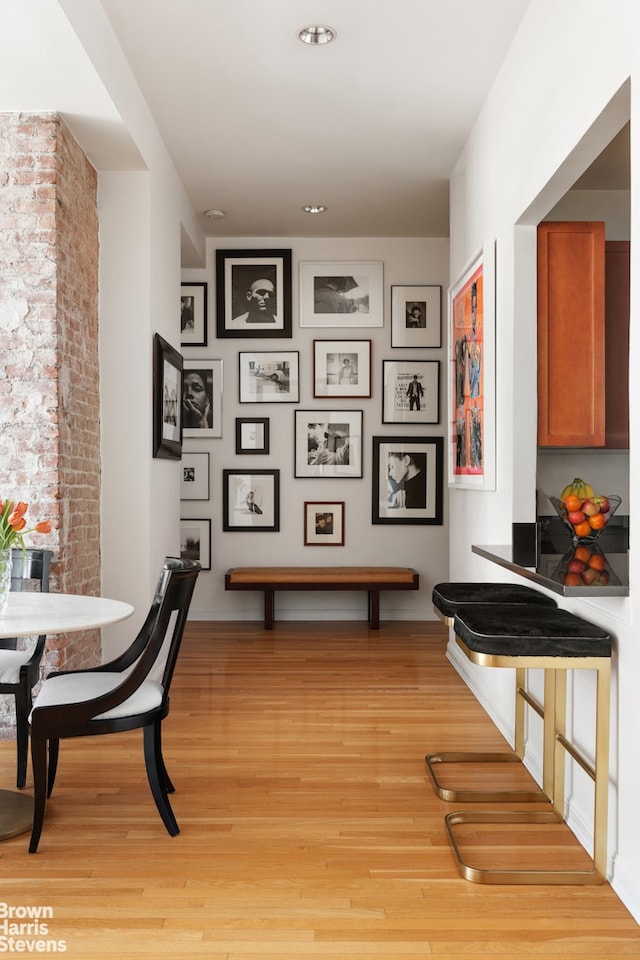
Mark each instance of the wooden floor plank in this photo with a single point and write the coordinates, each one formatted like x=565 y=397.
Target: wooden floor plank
x=309 y=828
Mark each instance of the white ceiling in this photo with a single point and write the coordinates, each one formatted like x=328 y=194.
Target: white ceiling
x=259 y=124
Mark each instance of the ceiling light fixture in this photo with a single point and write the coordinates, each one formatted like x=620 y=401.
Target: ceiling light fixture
x=316 y=34
x=214 y=214
x=314 y=208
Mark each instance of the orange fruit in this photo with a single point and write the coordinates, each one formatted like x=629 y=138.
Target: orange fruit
x=597 y=562
x=597 y=521
x=573 y=503
x=583 y=529
x=582 y=553
x=573 y=580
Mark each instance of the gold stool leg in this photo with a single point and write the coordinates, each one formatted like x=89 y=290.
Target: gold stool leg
x=497 y=794
x=555 y=686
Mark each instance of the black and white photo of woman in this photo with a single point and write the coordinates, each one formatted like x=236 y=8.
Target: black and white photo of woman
x=197 y=399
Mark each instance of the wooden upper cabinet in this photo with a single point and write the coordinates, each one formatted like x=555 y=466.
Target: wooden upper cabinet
x=617 y=290
x=571 y=334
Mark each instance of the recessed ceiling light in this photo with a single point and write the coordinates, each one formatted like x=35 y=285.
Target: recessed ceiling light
x=316 y=34
x=214 y=214
x=314 y=208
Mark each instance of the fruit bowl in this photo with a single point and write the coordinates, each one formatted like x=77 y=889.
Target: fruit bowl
x=586 y=517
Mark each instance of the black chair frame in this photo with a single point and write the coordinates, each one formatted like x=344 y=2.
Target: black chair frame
x=52 y=723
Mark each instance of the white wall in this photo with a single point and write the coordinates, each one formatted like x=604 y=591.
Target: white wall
x=551 y=112
x=405 y=261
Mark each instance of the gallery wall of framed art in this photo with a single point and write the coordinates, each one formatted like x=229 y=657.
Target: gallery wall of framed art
x=302 y=403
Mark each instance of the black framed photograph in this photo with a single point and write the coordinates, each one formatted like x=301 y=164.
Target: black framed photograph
x=269 y=377
x=341 y=294
x=250 y=500
x=323 y=523
x=328 y=443
x=167 y=389
x=342 y=368
x=202 y=398
x=407 y=480
x=193 y=314
x=411 y=391
x=195 y=541
x=252 y=434
x=194 y=481
x=416 y=316
x=253 y=293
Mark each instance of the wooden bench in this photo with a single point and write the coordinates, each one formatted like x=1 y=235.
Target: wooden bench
x=371 y=579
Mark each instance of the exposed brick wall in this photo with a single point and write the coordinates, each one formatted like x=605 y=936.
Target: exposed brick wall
x=49 y=369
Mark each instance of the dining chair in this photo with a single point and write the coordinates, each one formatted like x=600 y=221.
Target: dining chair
x=20 y=668
x=128 y=693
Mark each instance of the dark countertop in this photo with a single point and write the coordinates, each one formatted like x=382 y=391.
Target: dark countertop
x=557 y=549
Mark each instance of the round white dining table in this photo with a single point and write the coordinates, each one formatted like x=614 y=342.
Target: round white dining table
x=32 y=614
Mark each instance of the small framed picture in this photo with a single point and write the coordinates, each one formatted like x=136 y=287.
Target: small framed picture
x=194 y=483
x=252 y=435
x=253 y=293
x=416 y=316
x=251 y=500
x=269 y=377
x=407 y=480
x=343 y=294
x=342 y=368
x=195 y=541
x=411 y=391
x=167 y=412
x=202 y=398
x=193 y=314
x=328 y=443
x=323 y=524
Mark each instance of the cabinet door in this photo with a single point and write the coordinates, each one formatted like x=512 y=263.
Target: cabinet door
x=571 y=335
x=617 y=269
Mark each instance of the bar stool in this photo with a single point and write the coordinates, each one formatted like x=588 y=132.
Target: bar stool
x=448 y=599
x=554 y=640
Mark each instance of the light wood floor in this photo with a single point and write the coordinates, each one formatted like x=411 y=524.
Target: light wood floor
x=309 y=829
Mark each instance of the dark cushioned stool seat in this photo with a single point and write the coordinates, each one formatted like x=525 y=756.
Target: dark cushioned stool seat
x=448 y=598
x=511 y=630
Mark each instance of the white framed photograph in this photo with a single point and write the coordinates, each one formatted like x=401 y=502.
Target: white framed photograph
x=411 y=391
x=416 y=316
x=269 y=377
x=202 y=398
x=341 y=294
x=323 y=524
x=342 y=368
x=328 y=443
x=471 y=405
x=194 y=482
x=195 y=541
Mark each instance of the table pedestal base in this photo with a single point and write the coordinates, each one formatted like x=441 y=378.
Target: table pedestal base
x=16 y=813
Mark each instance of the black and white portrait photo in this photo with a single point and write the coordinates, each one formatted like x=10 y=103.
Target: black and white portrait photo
x=253 y=293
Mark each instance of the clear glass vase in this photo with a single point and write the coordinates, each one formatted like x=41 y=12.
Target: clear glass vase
x=5 y=578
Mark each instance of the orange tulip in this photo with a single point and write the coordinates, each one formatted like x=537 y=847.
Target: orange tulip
x=43 y=527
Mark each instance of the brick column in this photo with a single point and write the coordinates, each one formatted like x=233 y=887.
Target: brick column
x=49 y=368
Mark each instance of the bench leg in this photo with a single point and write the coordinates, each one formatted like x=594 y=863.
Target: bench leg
x=268 y=609
x=374 y=609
